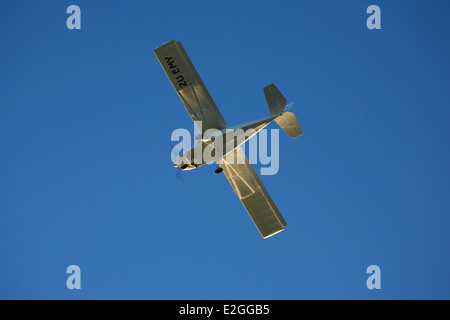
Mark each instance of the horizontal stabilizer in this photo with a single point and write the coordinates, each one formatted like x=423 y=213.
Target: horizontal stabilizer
x=289 y=123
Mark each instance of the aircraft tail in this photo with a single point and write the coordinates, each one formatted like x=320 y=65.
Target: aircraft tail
x=277 y=105
x=275 y=100
x=289 y=123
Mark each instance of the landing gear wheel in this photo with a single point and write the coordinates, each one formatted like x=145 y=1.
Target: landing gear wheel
x=218 y=170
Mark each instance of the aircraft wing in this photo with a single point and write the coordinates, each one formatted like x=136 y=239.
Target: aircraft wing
x=189 y=86
x=252 y=194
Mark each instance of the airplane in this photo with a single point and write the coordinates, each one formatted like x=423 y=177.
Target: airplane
x=237 y=169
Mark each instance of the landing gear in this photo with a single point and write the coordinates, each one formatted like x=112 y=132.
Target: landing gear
x=218 y=170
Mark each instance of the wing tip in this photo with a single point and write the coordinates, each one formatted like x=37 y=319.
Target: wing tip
x=164 y=44
x=272 y=234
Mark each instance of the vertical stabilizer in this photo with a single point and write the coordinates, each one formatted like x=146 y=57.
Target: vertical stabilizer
x=275 y=100
x=277 y=106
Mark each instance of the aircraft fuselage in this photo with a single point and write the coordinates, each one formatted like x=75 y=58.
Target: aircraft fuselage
x=229 y=139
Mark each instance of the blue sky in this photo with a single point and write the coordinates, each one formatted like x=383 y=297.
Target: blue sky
x=85 y=172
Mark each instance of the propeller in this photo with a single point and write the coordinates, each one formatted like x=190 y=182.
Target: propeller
x=175 y=155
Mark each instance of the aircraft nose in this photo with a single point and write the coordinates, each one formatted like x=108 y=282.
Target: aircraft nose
x=183 y=166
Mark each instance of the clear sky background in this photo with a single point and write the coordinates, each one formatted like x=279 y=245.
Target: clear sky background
x=85 y=171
